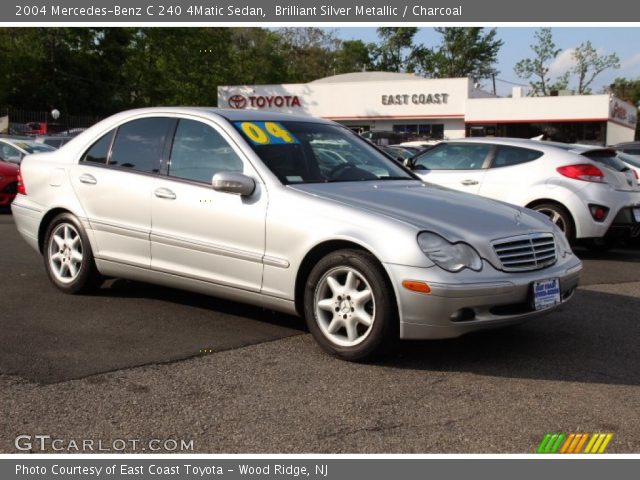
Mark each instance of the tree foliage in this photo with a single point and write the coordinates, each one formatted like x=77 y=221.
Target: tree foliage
x=589 y=64
x=536 y=69
x=99 y=71
x=395 y=49
x=463 y=52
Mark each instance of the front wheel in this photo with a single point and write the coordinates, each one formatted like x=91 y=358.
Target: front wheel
x=68 y=257
x=349 y=306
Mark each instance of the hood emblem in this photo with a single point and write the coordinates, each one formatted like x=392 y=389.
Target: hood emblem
x=517 y=217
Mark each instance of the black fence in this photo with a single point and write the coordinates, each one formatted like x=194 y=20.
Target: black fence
x=29 y=122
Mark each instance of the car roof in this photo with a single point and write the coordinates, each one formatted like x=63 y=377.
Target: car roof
x=529 y=143
x=228 y=114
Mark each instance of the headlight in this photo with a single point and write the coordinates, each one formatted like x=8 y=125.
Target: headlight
x=449 y=256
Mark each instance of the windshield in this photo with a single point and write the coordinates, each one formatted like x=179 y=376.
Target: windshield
x=630 y=159
x=33 y=147
x=306 y=152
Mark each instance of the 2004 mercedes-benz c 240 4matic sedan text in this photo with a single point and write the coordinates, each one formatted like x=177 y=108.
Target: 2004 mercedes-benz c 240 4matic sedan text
x=291 y=213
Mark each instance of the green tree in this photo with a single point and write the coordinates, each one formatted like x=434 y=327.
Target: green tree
x=257 y=57
x=463 y=52
x=353 y=56
x=536 y=69
x=309 y=53
x=395 y=49
x=589 y=64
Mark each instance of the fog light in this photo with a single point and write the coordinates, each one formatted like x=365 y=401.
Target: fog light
x=463 y=315
x=598 y=212
x=415 y=286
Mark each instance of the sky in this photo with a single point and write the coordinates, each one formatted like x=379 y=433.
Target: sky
x=624 y=41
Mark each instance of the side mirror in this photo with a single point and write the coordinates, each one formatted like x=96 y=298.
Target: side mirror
x=233 y=182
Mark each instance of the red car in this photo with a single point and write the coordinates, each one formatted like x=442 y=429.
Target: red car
x=8 y=183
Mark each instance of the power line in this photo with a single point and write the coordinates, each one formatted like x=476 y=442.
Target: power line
x=512 y=83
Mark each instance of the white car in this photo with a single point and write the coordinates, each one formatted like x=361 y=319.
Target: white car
x=631 y=161
x=13 y=150
x=582 y=189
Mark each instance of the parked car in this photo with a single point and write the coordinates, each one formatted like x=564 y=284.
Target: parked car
x=631 y=161
x=13 y=150
x=250 y=206
x=8 y=183
x=55 y=141
x=590 y=201
x=630 y=148
x=397 y=153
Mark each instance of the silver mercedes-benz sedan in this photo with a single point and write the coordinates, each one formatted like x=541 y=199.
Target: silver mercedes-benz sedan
x=291 y=213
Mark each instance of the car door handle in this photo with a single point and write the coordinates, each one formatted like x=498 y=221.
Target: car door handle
x=88 y=179
x=469 y=182
x=164 y=193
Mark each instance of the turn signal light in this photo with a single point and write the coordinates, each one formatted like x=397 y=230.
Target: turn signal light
x=415 y=286
x=582 y=171
x=22 y=190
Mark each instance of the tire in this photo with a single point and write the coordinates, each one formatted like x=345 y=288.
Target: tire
x=68 y=257
x=349 y=305
x=559 y=216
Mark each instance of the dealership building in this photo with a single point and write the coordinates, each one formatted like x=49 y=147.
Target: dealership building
x=441 y=108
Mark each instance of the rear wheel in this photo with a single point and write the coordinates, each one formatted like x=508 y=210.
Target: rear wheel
x=559 y=216
x=68 y=257
x=349 y=305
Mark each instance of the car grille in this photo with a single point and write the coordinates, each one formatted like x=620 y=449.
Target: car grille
x=526 y=252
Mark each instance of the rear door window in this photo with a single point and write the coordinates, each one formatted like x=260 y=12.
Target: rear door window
x=139 y=144
x=507 y=156
x=99 y=151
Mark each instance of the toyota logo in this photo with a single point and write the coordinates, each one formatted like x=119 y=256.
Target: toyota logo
x=237 y=101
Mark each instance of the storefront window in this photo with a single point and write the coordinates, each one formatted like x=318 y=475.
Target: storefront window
x=568 y=132
x=421 y=131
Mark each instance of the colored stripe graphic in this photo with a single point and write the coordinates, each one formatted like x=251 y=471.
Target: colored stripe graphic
x=562 y=443
x=550 y=443
x=598 y=442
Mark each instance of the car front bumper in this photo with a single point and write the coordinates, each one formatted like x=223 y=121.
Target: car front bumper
x=467 y=301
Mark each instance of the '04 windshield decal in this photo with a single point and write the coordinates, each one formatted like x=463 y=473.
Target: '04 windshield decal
x=266 y=133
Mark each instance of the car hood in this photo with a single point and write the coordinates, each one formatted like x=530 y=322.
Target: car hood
x=457 y=216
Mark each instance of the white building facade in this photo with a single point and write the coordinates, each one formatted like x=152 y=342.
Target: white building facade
x=440 y=108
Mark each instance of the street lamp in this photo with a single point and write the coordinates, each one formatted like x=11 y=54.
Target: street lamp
x=55 y=114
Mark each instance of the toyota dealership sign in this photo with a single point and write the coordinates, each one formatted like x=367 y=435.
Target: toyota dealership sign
x=263 y=101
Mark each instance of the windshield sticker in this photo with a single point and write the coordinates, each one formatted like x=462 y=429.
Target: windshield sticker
x=294 y=179
x=267 y=133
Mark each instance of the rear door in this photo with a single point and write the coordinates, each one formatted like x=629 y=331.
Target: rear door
x=459 y=166
x=114 y=180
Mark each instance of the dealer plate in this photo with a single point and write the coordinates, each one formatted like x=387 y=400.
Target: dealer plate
x=636 y=214
x=546 y=293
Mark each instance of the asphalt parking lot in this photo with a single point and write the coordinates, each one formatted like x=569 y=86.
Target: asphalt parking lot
x=130 y=362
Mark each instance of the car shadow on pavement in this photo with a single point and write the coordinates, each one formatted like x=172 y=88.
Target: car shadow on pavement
x=594 y=339
x=120 y=288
